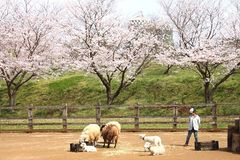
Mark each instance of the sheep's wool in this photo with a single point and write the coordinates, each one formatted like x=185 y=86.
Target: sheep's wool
x=117 y=124
x=90 y=133
x=157 y=150
x=147 y=145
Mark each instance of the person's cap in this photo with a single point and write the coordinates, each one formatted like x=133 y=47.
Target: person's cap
x=191 y=110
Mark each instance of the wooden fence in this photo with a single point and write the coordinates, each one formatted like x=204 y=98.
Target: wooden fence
x=133 y=118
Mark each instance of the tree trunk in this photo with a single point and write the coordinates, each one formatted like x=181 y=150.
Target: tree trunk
x=14 y=83
x=110 y=100
x=112 y=96
x=12 y=100
x=207 y=93
x=109 y=96
x=12 y=95
x=168 y=69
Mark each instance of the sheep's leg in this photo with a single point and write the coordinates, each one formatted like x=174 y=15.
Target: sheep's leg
x=159 y=143
x=116 y=139
x=95 y=142
x=109 y=143
x=104 y=143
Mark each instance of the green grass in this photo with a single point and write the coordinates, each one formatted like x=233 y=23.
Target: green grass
x=152 y=86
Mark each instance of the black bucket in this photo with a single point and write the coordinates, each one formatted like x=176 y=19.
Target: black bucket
x=75 y=147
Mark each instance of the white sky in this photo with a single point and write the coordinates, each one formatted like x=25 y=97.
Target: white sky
x=129 y=8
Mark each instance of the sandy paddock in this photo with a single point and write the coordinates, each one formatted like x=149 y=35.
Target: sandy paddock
x=55 y=146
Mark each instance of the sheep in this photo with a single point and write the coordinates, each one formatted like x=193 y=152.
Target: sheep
x=157 y=150
x=147 y=146
x=88 y=148
x=154 y=140
x=110 y=133
x=116 y=124
x=91 y=133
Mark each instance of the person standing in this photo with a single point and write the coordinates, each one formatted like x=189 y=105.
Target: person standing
x=194 y=123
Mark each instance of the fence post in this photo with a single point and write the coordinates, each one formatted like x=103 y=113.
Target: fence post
x=30 y=118
x=214 y=116
x=136 y=118
x=98 y=114
x=64 y=118
x=175 y=114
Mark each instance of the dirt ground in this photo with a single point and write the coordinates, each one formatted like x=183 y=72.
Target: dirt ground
x=55 y=146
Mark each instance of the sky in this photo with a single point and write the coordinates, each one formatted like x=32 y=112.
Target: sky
x=130 y=8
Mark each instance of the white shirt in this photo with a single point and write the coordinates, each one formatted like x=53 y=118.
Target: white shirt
x=194 y=122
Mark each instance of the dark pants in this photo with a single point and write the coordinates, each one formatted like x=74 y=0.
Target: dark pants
x=189 y=136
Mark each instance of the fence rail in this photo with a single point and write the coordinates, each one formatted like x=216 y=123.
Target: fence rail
x=66 y=121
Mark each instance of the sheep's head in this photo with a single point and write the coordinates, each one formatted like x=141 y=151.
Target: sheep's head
x=102 y=127
x=142 y=136
x=83 y=145
x=84 y=138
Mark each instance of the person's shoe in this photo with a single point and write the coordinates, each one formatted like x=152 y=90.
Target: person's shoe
x=185 y=145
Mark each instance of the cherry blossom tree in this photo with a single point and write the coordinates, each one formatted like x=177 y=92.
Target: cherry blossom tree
x=199 y=26
x=232 y=35
x=99 y=43
x=163 y=32
x=27 y=43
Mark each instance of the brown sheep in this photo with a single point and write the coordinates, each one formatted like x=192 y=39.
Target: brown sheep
x=110 y=133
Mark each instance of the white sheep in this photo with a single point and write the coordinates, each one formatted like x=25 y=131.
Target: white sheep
x=117 y=124
x=91 y=133
x=154 y=140
x=157 y=150
x=147 y=146
x=88 y=148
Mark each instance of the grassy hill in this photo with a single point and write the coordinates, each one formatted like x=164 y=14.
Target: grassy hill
x=152 y=86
